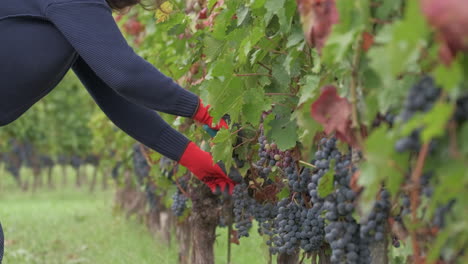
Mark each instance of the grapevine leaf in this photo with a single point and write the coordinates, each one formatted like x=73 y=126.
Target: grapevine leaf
x=257 y=3
x=334 y=113
x=256 y=33
x=383 y=165
x=295 y=38
x=223 y=20
x=450 y=19
x=436 y=121
x=325 y=186
x=449 y=77
x=222 y=150
x=283 y=194
x=449 y=187
x=211 y=3
x=309 y=85
x=242 y=13
x=280 y=74
x=254 y=104
x=225 y=97
x=273 y=7
x=463 y=140
x=213 y=48
x=284 y=132
x=404 y=40
x=223 y=68
x=307 y=127
x=433 y=122
x=317 y=18
x=292 y=63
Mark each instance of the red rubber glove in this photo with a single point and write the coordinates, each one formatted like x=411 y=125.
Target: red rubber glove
x=201 y=164
x=203 y=116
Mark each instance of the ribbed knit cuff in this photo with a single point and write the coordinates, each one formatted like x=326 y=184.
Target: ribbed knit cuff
x=172 y=144
x=187 y=104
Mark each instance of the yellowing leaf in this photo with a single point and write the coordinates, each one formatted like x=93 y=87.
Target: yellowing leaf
x=164 y=11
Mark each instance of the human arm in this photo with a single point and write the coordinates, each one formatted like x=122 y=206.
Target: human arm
x=150 y=129
x=90 y=28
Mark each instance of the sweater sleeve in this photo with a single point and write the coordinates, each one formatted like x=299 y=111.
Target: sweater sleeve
x=93 y=33
x=141 y=123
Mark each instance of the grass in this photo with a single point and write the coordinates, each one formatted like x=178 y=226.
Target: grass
x=72 y=226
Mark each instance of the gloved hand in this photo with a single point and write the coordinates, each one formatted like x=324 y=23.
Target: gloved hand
x=201 y=164
x=203 y=116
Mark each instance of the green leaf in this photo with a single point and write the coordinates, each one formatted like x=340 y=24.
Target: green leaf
x=273 y=7
x=295 y=38
x=226 y=97
x=283 y=131
x=213 y=48
x=242 y=13
x=283 y=194
x=433 y=122
x=462 y=139
x=309 y=87
x=436 y=121
x=382 y=165
x=307 y=127
x=398 y=47
x=247 y=44
x=326 y=183
x=449 y=77
x=222 y=68
x=222 y=150
x=211 y=3
x=222 y=21
x=255 y=103
x=453 y=178
x=280 y=74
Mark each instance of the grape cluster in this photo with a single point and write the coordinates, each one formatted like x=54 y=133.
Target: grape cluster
x=62 y=159
x=152 y=198
x=13 y=161
x=46 y=161
x=373 y=227
x=140 y=165
x=341 y=230
x=179 y=199
x=27 y=153
x=426 y=190
x=297 y=182
x=441 y=213
x=167 y=167
x=287 y=228
x=92 y=160
x=271 y=156
x=265 y=215
x=344 y=242
x=244 y=208
x=388 y=118
x=461 y=110
x=76 y=162
x=116 y=169
x=421 y=98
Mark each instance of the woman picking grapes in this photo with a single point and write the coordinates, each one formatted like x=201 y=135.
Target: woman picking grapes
x=43 y=39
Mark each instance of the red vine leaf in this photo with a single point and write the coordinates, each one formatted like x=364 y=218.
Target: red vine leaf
x=450 y=20
x=334 y=113
x=367 y=41
x=318 y=17
x=234 y=237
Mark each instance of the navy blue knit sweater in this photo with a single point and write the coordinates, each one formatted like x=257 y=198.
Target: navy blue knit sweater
x=40 y=40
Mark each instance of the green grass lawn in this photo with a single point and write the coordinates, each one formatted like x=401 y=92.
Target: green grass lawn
x=71 y=226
